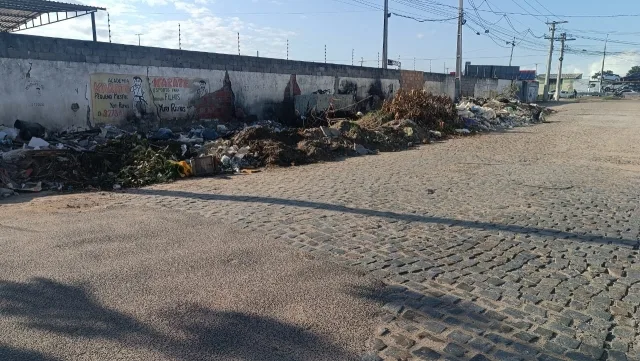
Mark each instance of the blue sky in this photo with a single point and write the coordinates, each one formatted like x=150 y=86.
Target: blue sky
x=356 y=25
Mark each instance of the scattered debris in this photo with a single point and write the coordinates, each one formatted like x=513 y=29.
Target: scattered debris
x=496 y=114
x=361 y=150
x=426 y=109
x=108 y=157
x=27 y=130
x=37 y=143
x=5 y=192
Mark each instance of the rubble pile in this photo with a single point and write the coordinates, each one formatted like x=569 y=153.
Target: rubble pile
x=482 y=115
x=125 y=161
x=427 y=110
x=32 y=159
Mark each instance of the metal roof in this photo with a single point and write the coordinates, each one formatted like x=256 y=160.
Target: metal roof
x=564 y=76
x=24 y=14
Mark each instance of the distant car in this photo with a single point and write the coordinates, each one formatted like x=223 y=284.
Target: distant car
x=613 y=77
x=563 y=94
x=625 y=91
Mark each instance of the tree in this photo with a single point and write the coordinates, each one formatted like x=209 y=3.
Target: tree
x=635 y=71
x=606 y=72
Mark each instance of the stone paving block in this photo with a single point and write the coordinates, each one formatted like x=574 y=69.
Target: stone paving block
x=403 y=341
x=434 y=327
x=545 y=357
x=396 y=353
x=459 y=337
x=427 y=354
x=455 y=350
x=613 y=355
x=481 y=344
x=526 y=336
x=595 y=352
x=506 y=356
x=567 y=342
x=577 y=356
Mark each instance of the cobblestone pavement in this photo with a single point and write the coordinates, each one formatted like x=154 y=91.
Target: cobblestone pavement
x=514 y=246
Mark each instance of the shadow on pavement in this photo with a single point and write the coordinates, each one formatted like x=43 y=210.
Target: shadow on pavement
x=393 y=215
x=10 y=354
x=196 y=333
x=436 y=324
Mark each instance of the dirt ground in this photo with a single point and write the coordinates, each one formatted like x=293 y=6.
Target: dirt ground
x=81 y=281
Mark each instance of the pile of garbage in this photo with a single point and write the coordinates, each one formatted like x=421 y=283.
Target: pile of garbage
x=483 y=115
x=33 y=159
x=426 y=109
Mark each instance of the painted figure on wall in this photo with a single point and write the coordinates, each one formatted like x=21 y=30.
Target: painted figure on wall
x=202 y=90
x=139 y=103
x=292 y=89
x=220 y=104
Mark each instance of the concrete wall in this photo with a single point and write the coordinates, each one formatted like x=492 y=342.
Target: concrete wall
x=440 y=84
x=65 y=83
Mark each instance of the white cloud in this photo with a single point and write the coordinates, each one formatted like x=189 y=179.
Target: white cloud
x=191 y=8
x=619 y=64
x=202 y=31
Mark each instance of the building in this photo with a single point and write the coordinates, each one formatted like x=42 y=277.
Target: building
x=492 y=71
x=566 y=83
x=527 y=75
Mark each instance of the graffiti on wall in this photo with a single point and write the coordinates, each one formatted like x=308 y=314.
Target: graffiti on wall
x=369 y=93
x=173 y=97
x=116 y=98
x=113 y=97
x=220 y=104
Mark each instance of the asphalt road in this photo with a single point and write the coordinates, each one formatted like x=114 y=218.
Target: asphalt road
x=81 y=282
x=520 y=245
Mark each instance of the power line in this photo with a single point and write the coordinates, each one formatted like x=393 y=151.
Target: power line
x=544 y=7
x=435 y=4
x=424 y=20
x=527 y=11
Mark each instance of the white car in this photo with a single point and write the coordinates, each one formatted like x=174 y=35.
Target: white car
x=613 y=77
x=563 y=94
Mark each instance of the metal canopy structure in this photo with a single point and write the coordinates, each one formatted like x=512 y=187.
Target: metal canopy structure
x=16 y=15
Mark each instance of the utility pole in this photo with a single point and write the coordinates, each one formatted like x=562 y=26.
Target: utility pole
x=238 y=43
x=93 y=26
x=352 y=54
x=109 y=25
x=325 y=54
x=361 y=61
x=139 y=38
x=179 y=37
x=429 y=65
x=378 y=59
x=513 y=45
x=545 y=95
x=563 y=38
x=414 y=64
x=458 y=86
x=287 y=49
x=385 y=36
x=604 y=55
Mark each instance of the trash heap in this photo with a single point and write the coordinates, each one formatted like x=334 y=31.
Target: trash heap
x=483 y=115
x=32 y=159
